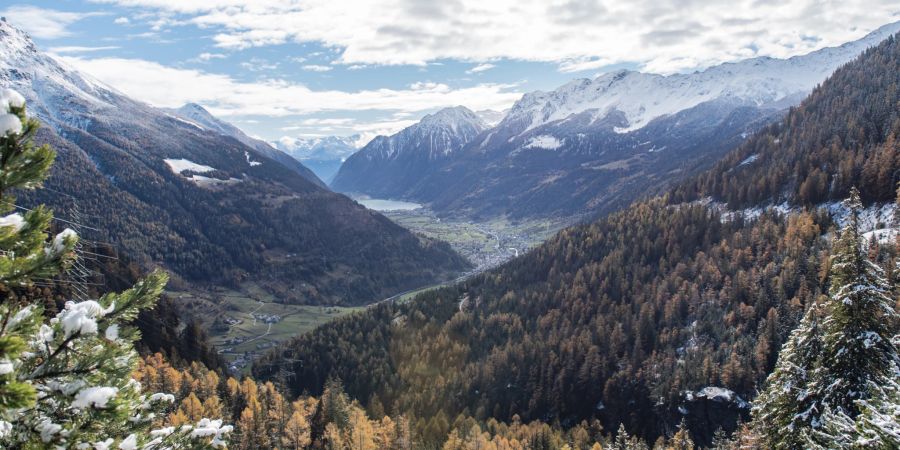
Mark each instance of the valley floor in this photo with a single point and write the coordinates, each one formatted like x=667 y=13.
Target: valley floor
x=242 y=324
x=485 y=244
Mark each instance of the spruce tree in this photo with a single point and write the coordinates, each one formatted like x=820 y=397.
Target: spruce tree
x=784 y=412
x=67 y=382
x=838 y=390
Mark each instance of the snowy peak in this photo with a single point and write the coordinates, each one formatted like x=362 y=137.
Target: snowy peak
x=436 y=136
x=388 y=165
x=48 y=83
x=642 y=97
x=453 y=119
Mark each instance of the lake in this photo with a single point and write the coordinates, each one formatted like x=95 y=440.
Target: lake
x=379 y=204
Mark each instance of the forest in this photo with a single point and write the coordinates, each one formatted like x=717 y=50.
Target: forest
x=619 y=319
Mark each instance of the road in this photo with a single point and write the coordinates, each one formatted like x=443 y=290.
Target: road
x=458 y=279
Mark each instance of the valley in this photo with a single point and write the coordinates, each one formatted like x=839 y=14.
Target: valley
x=485 y=244
x=242 y=324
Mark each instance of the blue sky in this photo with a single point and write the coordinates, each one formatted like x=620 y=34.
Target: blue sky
x=319 y=67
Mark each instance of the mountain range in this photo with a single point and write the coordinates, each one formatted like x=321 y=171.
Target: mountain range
x=324 y=155
x=594 y=145
x=186 y=191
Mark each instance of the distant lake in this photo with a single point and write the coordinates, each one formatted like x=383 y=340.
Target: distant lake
x=379 y=204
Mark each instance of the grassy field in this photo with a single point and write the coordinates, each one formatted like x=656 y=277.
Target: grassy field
x=243 y=324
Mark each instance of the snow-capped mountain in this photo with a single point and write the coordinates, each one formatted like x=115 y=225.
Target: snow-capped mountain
x=324 y=155
x=197 y=115
x=642 y=97
x=592 y=146
x=388 y=165
x=177 y=190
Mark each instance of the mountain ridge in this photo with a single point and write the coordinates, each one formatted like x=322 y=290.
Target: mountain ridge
x=198 y=115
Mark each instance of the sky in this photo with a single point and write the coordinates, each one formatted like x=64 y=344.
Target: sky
x=303 y=68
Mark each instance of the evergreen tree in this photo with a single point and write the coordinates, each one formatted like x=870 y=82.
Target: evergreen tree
x=787 y=408
x=840 y=390
x=67 y=382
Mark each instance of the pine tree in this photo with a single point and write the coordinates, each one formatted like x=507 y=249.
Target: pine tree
x=67 y=382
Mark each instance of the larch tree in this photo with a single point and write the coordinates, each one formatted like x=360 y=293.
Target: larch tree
x=66 y=381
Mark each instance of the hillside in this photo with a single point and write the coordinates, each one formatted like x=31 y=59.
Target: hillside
x=667 y=310
x=195 y=114
x=168 y=191
x=829 y=143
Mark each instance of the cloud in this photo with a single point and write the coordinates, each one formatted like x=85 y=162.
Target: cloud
x=481 y=68
x=79 y=49
x=580 y=64
x=259 y=65
x=121 y=21
x=316 y=68
x=167 y=86
x=44 y=23
x=206 y=56
x=659 y=36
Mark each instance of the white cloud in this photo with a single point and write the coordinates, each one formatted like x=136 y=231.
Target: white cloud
x=481 y=68
x=79 y=49
x=43 y=23
x=121 y=21
x=316 y=68
x=661 y=36
x=580 y=64
x=167 y=86
x=259 y=65
x=206 y=56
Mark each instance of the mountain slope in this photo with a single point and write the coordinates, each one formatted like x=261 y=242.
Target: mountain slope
x=849 y=139
x=388 y=167
x=198 y=115
x=667 y=310
x=323 y=155
x=592 y=146
x=204 y=205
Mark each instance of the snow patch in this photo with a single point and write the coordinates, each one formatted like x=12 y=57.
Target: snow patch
x=252 y=163
x=202 y=181
x=193 y=124
x=544 y=141
x=180 y=165
x=13 y=220
x=750 y=159
x=97 y=397
x=82 y=317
